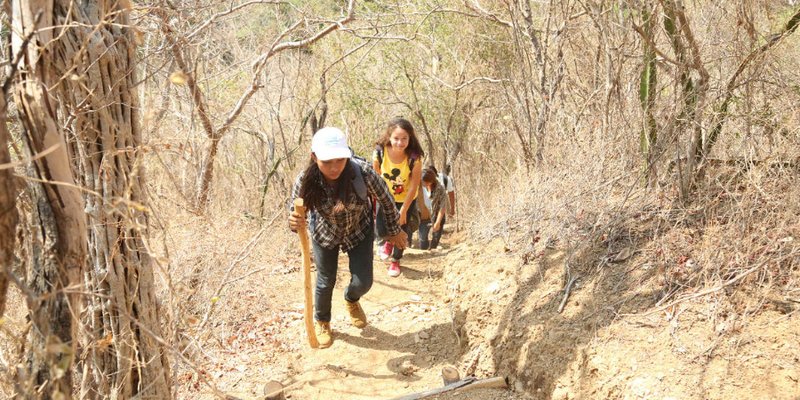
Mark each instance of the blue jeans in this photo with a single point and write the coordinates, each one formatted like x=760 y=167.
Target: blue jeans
x=425 y=228
x=327 y=261
x=380 y=227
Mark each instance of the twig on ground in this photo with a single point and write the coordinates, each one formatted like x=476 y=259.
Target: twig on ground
x=570 y=281
x=242 y=255
x=566 y=293
x=714 y=289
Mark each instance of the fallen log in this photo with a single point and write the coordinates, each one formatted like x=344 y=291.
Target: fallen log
x=463 y=385
x=299 y=206
x=273 y=390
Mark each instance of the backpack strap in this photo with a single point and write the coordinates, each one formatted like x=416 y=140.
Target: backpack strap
x=411 y=158
x=359 y=185
x=379 y=153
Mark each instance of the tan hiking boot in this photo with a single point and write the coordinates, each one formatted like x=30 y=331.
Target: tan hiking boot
x=357 y=316
x=324 y=334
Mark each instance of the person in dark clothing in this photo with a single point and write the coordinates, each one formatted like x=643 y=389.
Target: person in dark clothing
x=434 y=191
x=336 y=189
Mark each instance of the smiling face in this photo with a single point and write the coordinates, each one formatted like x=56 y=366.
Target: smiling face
x=331 y=169
x=399 y=139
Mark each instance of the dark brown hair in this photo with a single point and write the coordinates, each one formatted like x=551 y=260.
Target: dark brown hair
x=429 y=176
x=312 y=192
x=414 y=148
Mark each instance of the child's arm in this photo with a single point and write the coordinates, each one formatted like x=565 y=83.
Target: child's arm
x=439 y=218
x=441 y=197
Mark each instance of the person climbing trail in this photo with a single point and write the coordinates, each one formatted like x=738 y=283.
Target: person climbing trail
x=435 y=191
x=336 y=189
x=396 y=159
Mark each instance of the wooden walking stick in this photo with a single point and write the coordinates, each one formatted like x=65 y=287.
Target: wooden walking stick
x=309 y=303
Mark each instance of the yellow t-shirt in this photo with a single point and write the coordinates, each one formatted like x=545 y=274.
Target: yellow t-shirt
x=396 y=176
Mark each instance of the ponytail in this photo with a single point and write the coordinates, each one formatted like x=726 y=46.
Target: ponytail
x=312 y=192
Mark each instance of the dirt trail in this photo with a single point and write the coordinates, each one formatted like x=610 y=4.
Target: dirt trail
x=410 y=337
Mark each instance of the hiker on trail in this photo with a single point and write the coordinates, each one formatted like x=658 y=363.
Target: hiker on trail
x=447 y=182
x=337 y=189
x=396 y=159
x=433 y=190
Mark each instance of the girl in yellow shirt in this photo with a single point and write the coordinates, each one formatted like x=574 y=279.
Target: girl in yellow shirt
x=397 y=159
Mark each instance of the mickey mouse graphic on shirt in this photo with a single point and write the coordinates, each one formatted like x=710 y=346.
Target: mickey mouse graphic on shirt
x=398 y=183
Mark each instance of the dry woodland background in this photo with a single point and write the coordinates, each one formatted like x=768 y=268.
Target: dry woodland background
x=627 y=182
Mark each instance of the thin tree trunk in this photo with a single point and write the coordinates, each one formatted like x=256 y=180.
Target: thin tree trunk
x=215 y=134
x=8 y=208
x=59 y=247
x=85 y=84
x=648 y=137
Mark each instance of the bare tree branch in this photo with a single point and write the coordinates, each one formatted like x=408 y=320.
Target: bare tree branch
x=230 y=11
x=475 y=6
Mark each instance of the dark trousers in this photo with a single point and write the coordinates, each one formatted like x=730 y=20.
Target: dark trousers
x=380 y=226
x=327 y=261
x=425 y=228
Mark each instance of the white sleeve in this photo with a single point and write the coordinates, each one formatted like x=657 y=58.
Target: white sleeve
x=450 y=186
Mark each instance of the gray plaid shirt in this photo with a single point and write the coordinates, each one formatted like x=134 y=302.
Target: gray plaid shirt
x=439 y=201
x=349 y=227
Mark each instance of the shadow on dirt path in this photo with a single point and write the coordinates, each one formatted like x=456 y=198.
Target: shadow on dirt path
x=410 y=337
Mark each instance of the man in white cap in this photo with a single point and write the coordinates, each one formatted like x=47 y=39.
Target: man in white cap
x=336 y=189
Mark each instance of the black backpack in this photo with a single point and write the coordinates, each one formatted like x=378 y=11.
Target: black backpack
x=359 y=186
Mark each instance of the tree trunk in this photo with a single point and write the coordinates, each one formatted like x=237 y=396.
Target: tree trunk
x=8 y=208
x=58 y=222
x=81 y=75
x=648 y=79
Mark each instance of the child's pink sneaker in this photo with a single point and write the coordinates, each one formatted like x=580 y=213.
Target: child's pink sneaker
x=394 y=269
x=386 y=250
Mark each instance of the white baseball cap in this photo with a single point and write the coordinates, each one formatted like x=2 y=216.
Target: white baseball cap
x=330 y=143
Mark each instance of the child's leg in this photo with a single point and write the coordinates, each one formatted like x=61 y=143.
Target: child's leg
x=424 y=234
x=438 y=235
x=397 y=254
x=327 y=262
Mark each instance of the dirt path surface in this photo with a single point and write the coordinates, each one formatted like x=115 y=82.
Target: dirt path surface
x=608 y=341
x=409 y=338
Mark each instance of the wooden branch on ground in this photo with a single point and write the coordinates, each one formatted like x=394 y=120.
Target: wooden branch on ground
x=461 y=386
x=701 y=293
x=566 y=294
x=570 y=281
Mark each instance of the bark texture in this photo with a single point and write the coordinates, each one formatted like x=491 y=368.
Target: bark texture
x=79 y=88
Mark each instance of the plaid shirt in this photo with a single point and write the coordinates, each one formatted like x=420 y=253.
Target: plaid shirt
x=438 y=201
x=349 y=227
